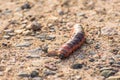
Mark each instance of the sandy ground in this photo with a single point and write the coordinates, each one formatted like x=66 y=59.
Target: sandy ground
x=29 y=29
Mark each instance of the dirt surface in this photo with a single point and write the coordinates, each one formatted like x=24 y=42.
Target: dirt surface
x=29 y=29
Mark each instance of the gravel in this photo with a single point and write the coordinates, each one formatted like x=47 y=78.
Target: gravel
x=35 y=27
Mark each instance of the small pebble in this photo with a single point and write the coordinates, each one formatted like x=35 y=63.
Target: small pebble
x=91 y=60
x=36 y=50
x=108 y=31
x=7 y=11
x=34 y=74
x=89 y=41
x=60 y=11
x=45 y=48
x=1 y=73
x=37 y=78
x=26 y=6
x=23 y=74
x=9 y=30
x=97 y=46
x=36 y=63
x=80 y=14
x=81 y=56
x=106 y=68
x=77 y=66
x=114 y=51
x=28 y=38
x=114 y=78
x=33 y=56
x=42 y=37
x=49 y=72
x=27 y=32
x=24 y=44
x=34 y=26
x=51 y=67
x=50 y=37
x=6 y=37
x=19 y=31
x=107 y=73
x=4 y=44
x=111 y=61
x=11 y=34
x=118 y=62
x=52 y=28
x=92 y=52
x=117 y=56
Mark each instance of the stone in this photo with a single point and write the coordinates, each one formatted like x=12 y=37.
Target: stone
x=81 y=56
x=60 y=11
x=92 y=52
x=7 y=11
x=11 y=34
x=91 y=60
x=108 y=31
x=37 y=78
x=19 y=31
x=26 y=6
x=45 y=48
x=50 y=37
x=34 y=74
x=51 y=27
x=18 y=9
x=23 y=74
x=28 y=38
x=107 y=73
x=33 y=56
x=36 y=50
x=115 y=50
x=49 y=72
x=42 y=37
x=117 y=56
x=80 y=14
x=97 y=46
x=111 y=61
x=51 y=67
x=6 y=37
x=118 y=63
x=24 y=44
x=34 y=26
x=89 y=41
x=9 y=31
x=113 y=78
x=23 y=25
x=106 y=68
x=77 y=66
x=4 y=44
x=36 y=63
x=8 y=69
x=27 y=32
x=1 y=73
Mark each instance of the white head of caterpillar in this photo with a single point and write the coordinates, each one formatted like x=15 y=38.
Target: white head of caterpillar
x=77 y=28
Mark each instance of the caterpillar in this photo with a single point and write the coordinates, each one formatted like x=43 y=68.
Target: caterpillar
x=73 y=44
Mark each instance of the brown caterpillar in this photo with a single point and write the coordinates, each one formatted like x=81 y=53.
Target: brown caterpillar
x=74 y=43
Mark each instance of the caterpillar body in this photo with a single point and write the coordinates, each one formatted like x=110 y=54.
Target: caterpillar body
x=73 y=44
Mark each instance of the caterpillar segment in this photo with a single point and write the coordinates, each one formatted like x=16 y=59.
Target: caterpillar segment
x=73 y=44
